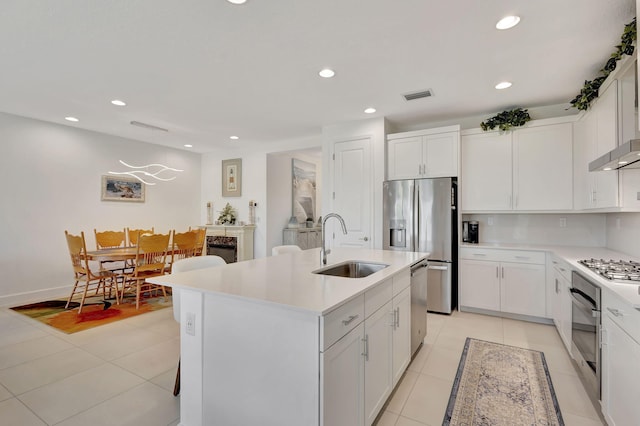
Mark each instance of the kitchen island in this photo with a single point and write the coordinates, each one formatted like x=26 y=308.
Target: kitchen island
x=269 y=342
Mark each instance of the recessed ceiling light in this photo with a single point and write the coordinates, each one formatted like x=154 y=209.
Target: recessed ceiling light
x=508 y=22
x=235 y=138
x=118 y=102
x=187 y=145
x=75 y=120
x=327 y=73
x=370 y=110
x=622 y=162
x=607 y=168
x=503 y=85
x=237 y=1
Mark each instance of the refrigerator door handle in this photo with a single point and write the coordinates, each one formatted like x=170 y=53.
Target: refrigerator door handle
x=439 y=268
x=415 y=246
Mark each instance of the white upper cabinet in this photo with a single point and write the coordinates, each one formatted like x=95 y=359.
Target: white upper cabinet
x=423 y=154
x=527 y=169
x=486 y=171
x=597 y=134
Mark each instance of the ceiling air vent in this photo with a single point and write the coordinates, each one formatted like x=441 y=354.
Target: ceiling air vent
x=418 y=95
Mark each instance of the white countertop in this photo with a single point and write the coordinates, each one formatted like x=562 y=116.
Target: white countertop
x=571 y=254
x=288 y=280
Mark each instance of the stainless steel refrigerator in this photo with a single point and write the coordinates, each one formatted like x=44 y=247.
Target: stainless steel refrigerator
x=420 y=215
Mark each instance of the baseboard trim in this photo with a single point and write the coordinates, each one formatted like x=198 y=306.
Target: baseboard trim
x=508 y=315
x=34 y=296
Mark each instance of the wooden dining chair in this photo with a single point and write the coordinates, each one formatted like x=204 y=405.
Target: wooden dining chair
x=184 y=245
x=150 y=261
x=110 y=239
x=133 y=235
x=201 y=235
x=84 y=276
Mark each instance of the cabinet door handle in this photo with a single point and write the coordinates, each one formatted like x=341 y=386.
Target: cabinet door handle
x=398 y=317
x=556 y=285
x=350 y=320
x=365 y=354
x=616 y=312
x=479 y=254
x=523 y=257
x=419 y=169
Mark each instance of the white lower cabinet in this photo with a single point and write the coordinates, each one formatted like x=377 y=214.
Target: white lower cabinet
x=620 y=359
x=359 y=371
x=510 y=281
x=378 y=342
x=342 y=370
x=561 y=310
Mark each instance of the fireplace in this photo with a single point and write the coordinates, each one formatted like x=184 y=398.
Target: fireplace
x=225 y=247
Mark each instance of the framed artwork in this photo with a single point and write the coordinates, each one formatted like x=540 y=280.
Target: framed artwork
x=303 y=190
x=232 y=177
x=118 y=188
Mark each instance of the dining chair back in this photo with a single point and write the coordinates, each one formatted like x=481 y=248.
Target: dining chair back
x=184 y=246
x=284 y=249
x=134 y=234
x=110 y=239
x=150 y=261
x=184 y=265
x=201 y=235
x=83 y=275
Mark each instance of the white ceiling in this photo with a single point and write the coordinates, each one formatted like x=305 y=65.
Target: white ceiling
x=207 y=69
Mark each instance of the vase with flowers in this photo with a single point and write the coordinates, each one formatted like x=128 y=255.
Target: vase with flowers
x=227 y=215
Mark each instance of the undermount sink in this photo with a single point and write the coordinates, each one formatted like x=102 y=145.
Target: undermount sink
x=351 y=269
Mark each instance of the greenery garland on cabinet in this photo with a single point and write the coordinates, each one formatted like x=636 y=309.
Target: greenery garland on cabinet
x=590 y=89
x=506 y=120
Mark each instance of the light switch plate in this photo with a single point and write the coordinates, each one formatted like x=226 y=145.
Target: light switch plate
x=563 y=222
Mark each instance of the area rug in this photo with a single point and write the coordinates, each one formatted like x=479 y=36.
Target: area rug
x=95 y=311
x=502 y=385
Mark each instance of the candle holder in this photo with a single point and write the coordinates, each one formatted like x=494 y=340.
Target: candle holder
x=209 y=213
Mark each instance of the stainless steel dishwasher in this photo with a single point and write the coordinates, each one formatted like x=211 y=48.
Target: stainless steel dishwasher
x=418 y=305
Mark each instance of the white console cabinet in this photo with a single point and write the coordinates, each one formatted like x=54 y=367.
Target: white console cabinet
x=509 y=281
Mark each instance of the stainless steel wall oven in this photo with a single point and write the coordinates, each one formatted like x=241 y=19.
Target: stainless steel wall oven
x=585 y=331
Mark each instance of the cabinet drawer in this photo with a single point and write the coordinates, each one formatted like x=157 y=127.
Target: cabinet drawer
x=340 y=321
x=502 y=255
x=622 y=314
x=562 y=267
x=401 y=281
x=377 y=296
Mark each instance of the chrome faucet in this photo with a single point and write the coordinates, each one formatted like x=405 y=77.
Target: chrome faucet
x=324 y=252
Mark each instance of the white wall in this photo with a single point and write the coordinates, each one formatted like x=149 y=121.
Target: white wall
x=51 y=177
x=623 y=233
x=254 y=187
x=279 y=192
x=581 y=229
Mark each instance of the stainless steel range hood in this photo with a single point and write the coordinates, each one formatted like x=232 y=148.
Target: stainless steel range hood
x=626 y=155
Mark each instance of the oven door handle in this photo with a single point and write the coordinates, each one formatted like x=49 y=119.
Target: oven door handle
x=588 y=307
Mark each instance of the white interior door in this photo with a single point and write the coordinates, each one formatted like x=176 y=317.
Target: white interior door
x=352 y=193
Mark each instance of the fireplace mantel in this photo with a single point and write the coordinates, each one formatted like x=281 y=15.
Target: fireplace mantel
x=243 y=233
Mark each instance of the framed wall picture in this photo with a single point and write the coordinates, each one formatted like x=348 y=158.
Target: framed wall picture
x=303 y=190
x=232 y=177
x=118 y=188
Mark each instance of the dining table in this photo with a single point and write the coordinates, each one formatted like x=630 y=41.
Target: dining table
x=112 y=254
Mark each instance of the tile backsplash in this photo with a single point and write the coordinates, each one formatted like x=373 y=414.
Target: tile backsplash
x=623 y=233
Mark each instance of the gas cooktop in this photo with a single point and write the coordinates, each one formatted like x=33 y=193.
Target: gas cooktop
x=618 y=270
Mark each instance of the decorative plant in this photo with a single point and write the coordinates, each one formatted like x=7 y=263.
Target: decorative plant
x=227 y=215
x=590 y=89
x=507 y=119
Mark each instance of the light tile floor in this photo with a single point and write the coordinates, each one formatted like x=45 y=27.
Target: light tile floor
x=422 y=396
x=123 y=373
x=117 y=374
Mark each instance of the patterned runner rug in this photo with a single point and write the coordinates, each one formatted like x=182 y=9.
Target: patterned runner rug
x=502 y=385
x=95 y=312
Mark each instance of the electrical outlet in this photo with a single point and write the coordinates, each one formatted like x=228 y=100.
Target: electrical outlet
x=190 y=325
x=563 y=222
x=638 y=196
x=490 y=221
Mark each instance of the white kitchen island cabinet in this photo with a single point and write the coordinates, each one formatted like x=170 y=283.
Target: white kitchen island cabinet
x=274 y=344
